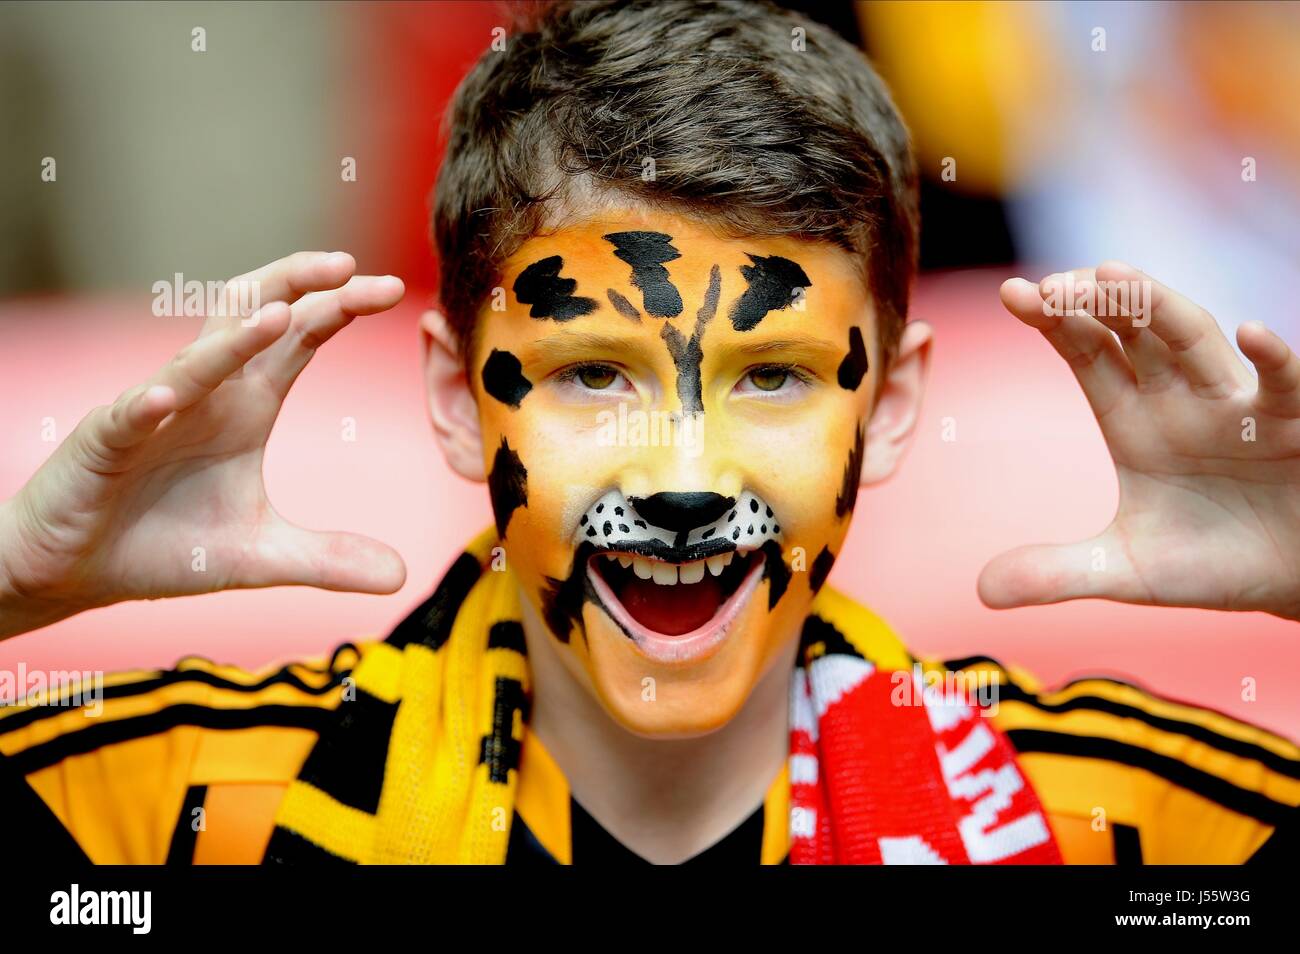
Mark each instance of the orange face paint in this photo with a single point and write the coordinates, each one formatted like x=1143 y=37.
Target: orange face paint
x=661 y=401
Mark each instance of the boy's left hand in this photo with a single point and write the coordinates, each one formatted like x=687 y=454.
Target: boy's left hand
x=1208 y=457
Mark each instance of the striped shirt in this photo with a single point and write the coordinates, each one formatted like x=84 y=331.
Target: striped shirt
x=189 y=765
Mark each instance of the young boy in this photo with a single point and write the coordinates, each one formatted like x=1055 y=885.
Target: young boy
x=696 y=222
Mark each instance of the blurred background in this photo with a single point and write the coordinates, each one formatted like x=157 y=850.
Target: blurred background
x=1051 y=135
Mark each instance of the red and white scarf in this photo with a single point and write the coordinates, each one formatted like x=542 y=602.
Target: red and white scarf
x=876 y=780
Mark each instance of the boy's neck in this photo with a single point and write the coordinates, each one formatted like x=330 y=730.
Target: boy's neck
x=666 y=800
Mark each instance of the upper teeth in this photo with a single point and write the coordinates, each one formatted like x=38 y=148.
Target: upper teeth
x=691 y=572
x=668 y=574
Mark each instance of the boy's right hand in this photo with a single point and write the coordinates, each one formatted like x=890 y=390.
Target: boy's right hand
x=175 y=464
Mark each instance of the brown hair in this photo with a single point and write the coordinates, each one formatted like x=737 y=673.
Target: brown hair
x=745 y=129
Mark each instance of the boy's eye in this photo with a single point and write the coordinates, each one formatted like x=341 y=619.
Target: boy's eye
x=595 y=376
x=769 y=379
x=598 y=377
x=783 y=379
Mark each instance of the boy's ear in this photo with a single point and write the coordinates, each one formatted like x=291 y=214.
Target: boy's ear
x=451 y=401
x=898 y=407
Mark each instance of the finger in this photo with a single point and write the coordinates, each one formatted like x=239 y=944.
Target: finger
x=1154 y=366
x=321 y=315
x=1198 y=345
x=1278 y=368
x=102 y=442
x=136 y=415
x=346 y=562
x=1052 y=573
x=1089 y=349
x=286 y=279
x=200 y=367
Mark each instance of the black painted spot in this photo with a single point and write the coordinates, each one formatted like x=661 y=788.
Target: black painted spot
x=606 y=529
x=848 y=495
x=646 y=252
x=562 y=599
x=753 y=505
x=622 y=305
x=772 y=283
x=687 y=355
x=503 y=378
x=775 y=571
x=854 y=365
x=507 y=485
x=821 y=568
x=551 y=296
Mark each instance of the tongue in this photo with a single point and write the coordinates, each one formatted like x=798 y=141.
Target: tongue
x=672 y=610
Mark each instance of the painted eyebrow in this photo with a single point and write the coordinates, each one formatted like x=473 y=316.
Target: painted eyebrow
x=816 y=347
x=580 y=344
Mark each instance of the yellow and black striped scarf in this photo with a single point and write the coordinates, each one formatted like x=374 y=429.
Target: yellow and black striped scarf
x=417 y=768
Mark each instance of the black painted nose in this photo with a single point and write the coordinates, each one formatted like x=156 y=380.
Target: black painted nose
x=682 y=511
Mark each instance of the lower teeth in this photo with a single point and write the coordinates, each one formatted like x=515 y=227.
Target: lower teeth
x=673 y=608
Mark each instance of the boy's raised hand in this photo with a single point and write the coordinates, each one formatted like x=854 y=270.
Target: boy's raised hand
x=175 y=463
x=1207 y=453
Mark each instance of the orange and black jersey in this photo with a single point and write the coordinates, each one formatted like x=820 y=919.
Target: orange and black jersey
x=189 y=766
x=181 y=765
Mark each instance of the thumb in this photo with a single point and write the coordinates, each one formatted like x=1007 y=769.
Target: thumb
x=1052 y=573
x=347 y=562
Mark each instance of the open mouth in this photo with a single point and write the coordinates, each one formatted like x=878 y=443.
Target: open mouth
x=674 y=611
x=674 y=569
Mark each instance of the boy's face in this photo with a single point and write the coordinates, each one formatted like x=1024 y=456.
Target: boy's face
x=673 y=433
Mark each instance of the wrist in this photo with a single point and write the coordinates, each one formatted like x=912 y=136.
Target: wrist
x=10 y=595
x=21 y=609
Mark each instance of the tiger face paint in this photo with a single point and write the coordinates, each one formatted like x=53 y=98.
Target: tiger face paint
x=670 y=564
